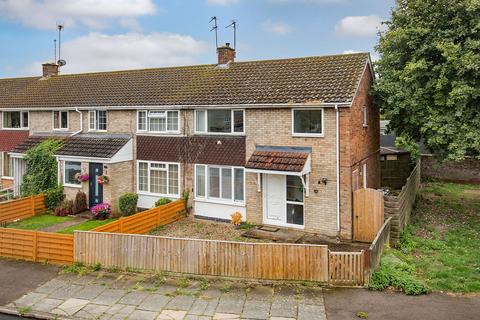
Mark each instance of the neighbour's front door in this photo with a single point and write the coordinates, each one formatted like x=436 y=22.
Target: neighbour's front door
x=95 y=190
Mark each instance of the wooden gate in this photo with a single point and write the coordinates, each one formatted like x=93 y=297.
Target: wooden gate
x=368 y=214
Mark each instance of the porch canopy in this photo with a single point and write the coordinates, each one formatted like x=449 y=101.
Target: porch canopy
x=291 y=161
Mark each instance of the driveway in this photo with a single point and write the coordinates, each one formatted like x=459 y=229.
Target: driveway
x=20 y=277
x=343 y=304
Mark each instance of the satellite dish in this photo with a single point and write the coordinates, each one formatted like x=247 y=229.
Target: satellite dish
x=61 y=62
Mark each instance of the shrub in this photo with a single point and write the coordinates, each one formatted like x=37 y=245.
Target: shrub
x=53 y=197
x=396 y=273
x=162 y=201
x=80 y=203
x=101 y=211
x=236 y=219
x=128 y=203
x=64 y=209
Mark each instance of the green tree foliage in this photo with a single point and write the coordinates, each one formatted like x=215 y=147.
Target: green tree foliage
x=41 y=174
x=429 y=74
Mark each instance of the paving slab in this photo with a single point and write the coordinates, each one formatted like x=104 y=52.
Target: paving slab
x=172 y=315
x=91 y=311
x=109 y=297
x=155 y=302
x=47 y=305
x=180 y=303
x=65 y=292
x=143 y=315
x=256 y=309
x=134 y=298
x=284 y=309
x=72 y=306
x=30 y=299
x=230 y=304
x=225 y=316
x=89 y=292
x=311 y=312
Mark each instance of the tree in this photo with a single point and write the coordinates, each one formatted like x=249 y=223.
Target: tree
x=429 y=75
x=41 y=173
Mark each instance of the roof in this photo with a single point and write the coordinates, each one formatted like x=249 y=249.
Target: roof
x=219 y=150
x=80 y=146
x=392 y=150
x=12 y=87
x=325 y=79
x=9 y=139
x=278 y=159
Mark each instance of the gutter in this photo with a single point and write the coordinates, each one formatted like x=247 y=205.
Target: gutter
x=337 y=146
x=81 y=123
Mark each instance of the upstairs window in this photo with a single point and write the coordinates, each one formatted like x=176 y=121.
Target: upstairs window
x=97 y=120
x=307 y=122
x=158 y=121
x=220 y=121
x=15 y=120
x=60 y=120
x=364 y=117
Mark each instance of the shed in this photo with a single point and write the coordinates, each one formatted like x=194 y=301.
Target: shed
x=396 y=166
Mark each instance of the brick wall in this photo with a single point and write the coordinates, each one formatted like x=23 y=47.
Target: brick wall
x=465 y=171
x=42 y=121
x=121 y=181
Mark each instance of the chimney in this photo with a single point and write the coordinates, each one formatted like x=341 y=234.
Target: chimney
x=50 y=69
x=226 y=54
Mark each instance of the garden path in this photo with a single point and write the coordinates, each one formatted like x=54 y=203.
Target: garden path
x=63 y=225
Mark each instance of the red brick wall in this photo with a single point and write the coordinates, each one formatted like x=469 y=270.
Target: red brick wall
x=358 y=145
x=6 y=183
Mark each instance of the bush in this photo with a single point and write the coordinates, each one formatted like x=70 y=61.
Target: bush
x=128 y=204
x=64 y=209
x=101 y=211
x=80 y=203
x=396 y=273
x=53 y=197
x=162 y=201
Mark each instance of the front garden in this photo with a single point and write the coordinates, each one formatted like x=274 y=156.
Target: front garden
x=440 y=250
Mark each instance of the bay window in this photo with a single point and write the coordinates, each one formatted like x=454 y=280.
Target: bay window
x=219 y=183
x=220 y=121
x=307 y=122
x=15 y=120
x=97 y=120
x=158 y=121
x=60 y=120
x=159 y=178
x=71 y=169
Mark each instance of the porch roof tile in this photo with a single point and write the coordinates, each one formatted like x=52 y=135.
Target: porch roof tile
x=292 y=161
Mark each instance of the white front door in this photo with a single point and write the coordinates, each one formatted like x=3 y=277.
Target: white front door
x=274 y=187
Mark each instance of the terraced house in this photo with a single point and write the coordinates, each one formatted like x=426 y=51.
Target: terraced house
x=284 y=142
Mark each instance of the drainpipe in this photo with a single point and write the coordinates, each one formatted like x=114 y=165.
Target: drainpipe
x=337 y=145
x=81 y=123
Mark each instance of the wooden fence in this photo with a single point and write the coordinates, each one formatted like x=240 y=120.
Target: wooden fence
x=375 y=250
x=36 y=246
x=400 y=207
x=347 y=268
x=204 y=257
x=143 y=222
x=22 y=208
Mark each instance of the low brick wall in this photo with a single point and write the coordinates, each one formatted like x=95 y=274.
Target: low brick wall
x=399 y=207
x=465 y=171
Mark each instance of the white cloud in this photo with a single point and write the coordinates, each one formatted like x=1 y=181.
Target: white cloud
x=221 y=2
x=350 y=51
x=96 y=14
x=279 y=28
x=309 y=1
x=359 y=26
x=373 y=55
x=101 y=52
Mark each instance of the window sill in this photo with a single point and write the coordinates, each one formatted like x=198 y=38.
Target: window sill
x=228 y=203
x=78 y=186
x=308 y=135
x=61 y=130
x=173 y=196
x=158 y=133
x=3 y=128
x=219 y=133
x=8 y=178
x=97 y=130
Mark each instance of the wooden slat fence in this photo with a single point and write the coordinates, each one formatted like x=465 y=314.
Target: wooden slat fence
x=143 y=222
x=375 y=250
x=204 y=257
x=36 y=246
x=347 y=268
x=22 y=208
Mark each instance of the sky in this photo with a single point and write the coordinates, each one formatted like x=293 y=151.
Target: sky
x=104 y=35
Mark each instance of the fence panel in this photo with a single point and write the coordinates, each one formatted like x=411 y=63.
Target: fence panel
x=36 y=246
x=22 y=208
x=347 y=268
x=204 y=257
x=376 y=248
x=143 y=222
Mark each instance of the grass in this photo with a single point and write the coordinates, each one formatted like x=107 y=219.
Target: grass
x=85 y=226
x=441 y=246
x=38 y=222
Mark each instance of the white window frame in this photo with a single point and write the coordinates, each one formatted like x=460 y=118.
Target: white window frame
x=147 y=117
x=364 y=173
x=60 y=120
x=95 y=129
x=21 y=120
x=206 y=198
x=364 y=116
x=3 y=174
x=148 y=193
x=295 y=203
x=301 y=134
x=65 y=175
x=232 y=128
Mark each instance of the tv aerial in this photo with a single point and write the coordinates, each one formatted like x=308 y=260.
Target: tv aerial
x=60 y=61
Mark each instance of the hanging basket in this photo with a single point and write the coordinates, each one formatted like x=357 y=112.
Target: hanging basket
x=103 y=180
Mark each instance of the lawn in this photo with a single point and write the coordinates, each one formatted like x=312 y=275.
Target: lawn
x=442 y=244
x=85 y=226
x=38 y=222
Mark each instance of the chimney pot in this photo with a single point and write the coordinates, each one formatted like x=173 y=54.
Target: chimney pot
x=50 y=69
x=226 y=54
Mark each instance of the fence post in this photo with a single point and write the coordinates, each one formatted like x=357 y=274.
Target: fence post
x=35 y=245
x=32 y=205
x=120 y=225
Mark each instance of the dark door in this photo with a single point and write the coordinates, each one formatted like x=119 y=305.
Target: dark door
x=95 y=190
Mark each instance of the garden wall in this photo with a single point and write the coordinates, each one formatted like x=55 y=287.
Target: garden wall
x=465 y=171
x=399 y=207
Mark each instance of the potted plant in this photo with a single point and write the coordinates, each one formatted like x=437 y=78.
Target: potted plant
x=236 y=219
x=101 y=211
x=103 y=179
